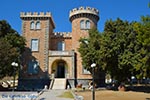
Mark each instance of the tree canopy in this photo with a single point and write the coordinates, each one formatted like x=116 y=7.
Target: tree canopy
x=11 y=47
x=89 y=49
x=122 y=50
x=142 y=29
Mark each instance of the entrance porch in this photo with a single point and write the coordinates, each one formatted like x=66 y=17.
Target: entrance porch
x=61 y=64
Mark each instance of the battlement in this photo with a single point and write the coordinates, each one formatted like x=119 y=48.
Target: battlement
x=62 y=34
x=81 y=10
x=35 y=14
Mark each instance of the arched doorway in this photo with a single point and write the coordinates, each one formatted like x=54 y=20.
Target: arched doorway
x=59 y=69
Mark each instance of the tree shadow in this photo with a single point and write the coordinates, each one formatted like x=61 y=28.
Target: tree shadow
x=145 y=89
x=31 y=76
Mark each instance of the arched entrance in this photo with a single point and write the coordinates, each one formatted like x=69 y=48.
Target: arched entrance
x=59 y=69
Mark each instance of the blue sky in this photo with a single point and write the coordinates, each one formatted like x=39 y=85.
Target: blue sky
x=130 y=10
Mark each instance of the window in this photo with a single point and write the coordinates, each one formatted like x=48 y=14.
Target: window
x=33 y=67
x=34 y=44
x=38 y=26
x=82 y=25
x=32 y=25
x=85 y=71
x=61 y=46
x=87 y=24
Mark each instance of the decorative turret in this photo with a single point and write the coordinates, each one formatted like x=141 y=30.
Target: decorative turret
x=81 y=12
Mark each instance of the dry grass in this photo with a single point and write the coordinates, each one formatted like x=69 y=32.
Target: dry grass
x=114 y=95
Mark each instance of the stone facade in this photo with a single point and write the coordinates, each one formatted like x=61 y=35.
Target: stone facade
x=51 y=54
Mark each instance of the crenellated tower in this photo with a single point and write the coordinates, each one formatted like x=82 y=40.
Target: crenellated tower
x=82 y=13
x=82 y=19
x=36 y=28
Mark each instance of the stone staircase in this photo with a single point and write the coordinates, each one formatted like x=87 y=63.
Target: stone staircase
x=58 y=83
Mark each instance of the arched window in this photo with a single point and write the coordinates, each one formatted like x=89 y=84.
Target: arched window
x=38 y=26
x=32 y=26
x=87 y=24
x=61 y=46
x=82 y=24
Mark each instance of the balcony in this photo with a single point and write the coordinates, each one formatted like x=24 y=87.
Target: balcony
x=61 y=53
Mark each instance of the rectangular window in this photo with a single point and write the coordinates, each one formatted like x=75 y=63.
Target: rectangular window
x=34 y=45
x=61 y=46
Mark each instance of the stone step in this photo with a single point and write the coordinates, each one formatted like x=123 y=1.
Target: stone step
x=59 y=83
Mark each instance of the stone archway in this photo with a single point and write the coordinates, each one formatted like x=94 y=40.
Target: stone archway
x=59 y=69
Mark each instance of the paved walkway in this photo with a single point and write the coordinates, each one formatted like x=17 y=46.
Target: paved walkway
x=53 y=95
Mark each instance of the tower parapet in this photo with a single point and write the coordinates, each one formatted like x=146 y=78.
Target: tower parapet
x=81 y=11
x=35 y=14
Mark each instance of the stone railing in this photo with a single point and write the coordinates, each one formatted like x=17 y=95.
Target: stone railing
x=61 y=53
x=61 y=34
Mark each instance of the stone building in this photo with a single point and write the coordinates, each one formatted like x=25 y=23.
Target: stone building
x=51 y=54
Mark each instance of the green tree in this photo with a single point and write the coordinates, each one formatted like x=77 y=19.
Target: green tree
x=142 y=29
x=126 y=48
x=118 y=48
x=5 y=28
x=89 y=49
x=11 y=47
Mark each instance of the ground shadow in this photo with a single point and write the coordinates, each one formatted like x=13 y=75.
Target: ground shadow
x=145 y=89
x=137 y=88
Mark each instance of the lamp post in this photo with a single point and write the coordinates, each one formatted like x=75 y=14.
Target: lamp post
x=14 y=65
x=93 y=89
